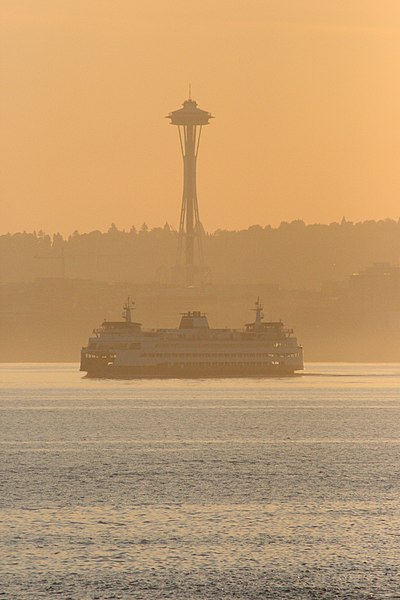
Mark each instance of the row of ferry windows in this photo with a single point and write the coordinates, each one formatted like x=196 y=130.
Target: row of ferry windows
x=203 y=355
x=104 y=356
x=228 y=364
x=137 y=346
x=218 y=343
x=194 y=364
x=218 y=355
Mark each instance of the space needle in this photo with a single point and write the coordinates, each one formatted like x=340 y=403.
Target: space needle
x=190 y=120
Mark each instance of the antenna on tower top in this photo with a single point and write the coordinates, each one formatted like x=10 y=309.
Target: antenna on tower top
x=190 y=91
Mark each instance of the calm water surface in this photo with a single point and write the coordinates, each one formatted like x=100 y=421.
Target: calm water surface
x=259 y=488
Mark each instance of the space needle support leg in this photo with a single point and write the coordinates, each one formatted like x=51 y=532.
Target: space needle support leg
x=181 y=234
x=190 y=167
x=198 y=227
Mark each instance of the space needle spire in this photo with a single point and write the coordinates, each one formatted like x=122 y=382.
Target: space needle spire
x=190 y=120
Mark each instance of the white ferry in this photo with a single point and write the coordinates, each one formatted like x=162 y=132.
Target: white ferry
x=122 y=349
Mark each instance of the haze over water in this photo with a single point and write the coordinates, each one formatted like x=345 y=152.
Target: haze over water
x=256 y=488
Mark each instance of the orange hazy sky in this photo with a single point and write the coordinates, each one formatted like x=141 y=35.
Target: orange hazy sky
x=306 y=95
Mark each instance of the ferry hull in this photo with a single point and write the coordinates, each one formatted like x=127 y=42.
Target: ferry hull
x=190 y=372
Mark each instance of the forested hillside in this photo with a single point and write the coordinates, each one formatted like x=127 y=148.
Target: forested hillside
x=293 y=255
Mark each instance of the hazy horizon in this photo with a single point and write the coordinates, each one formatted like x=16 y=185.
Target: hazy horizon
x=306 y=98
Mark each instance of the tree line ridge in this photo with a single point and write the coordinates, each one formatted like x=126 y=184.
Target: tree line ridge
x=293 y=254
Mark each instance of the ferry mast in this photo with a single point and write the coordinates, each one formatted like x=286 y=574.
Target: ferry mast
x=190 y=120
